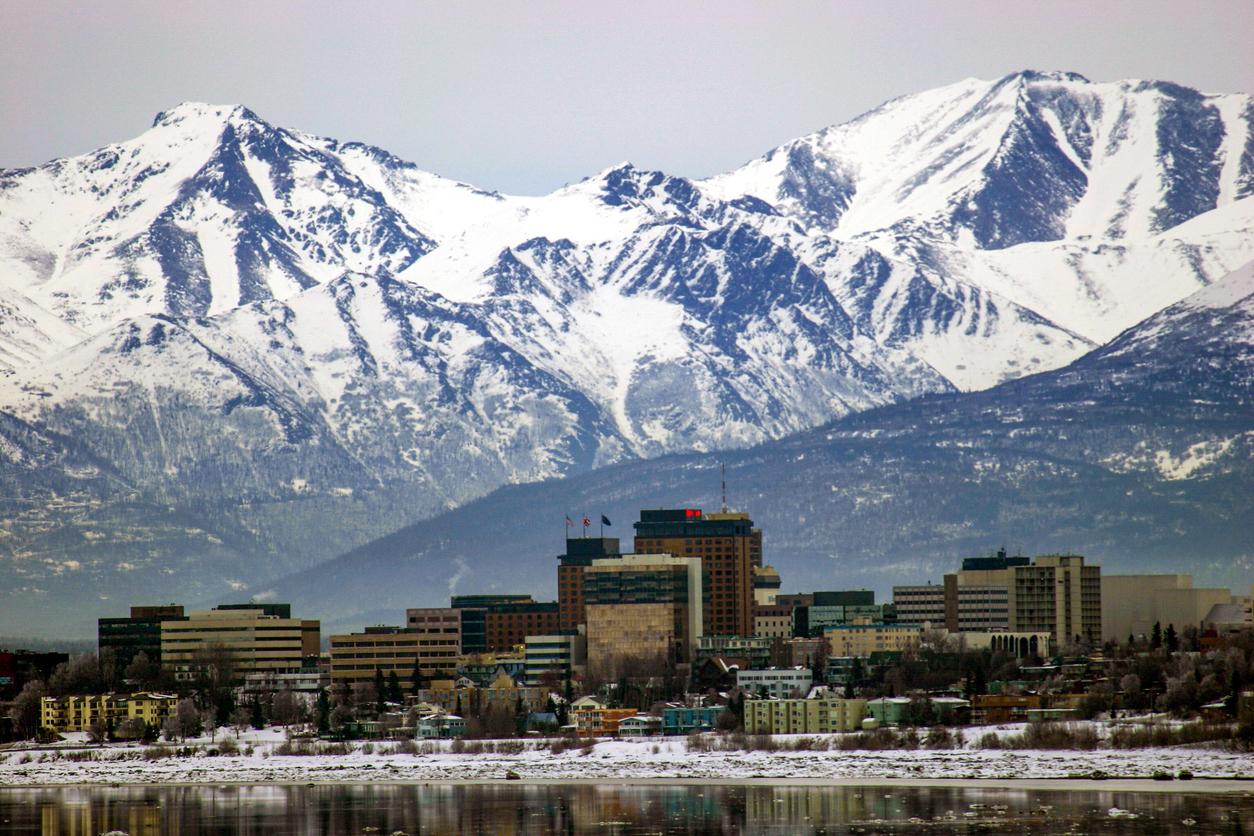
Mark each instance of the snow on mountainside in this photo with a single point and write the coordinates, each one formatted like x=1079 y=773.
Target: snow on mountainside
x=1038 y=210
x=263 y=335
x=1139 y=456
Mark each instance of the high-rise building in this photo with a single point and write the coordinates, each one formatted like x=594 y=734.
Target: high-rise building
x=642 y=608
x=580 y=554
x=729 y=547
x=1056 y=594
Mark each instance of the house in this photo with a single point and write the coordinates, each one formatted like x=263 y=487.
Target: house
x=685 y=719
x=439 y=726
x=640 y=725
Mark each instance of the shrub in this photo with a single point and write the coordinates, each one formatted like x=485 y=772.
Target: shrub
x=938 y=737
x=990 y=740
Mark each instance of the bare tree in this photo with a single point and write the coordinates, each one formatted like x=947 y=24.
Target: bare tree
x=79 y=675
x=26 y=709
x=183 y=722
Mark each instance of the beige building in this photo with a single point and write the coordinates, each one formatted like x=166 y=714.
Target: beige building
x=1058 y=594
x=1132 y=604
x=77 y=713
x=820 y=716
x=772 y=622
x=642 y=607
x=862 y=638
x=255 y=640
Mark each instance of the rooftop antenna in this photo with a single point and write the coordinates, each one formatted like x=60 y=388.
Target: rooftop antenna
x=724 y=467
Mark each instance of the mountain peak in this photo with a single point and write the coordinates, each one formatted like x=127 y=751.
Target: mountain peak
x=1029 y=76
x=195 y=112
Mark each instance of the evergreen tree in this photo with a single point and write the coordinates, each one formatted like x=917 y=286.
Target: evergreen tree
x=1156 y=636
x=395 y=694
x=1171 y=639
x=324 y=711
x=257 y=713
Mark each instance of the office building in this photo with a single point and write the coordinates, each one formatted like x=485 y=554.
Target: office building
x=1058 y=594
x=642 y=609
x=253 y=640
x=474 y=618
x=862 y=638
x=730 y=549
x=552 y=659
x=580 y=554
x=141 y=633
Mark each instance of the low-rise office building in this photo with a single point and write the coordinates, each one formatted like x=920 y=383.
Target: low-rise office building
x=863 y=638
x=255 y=638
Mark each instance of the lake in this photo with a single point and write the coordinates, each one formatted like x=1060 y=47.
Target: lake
x=610 y=809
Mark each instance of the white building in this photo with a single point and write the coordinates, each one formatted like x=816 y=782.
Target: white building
x=781 y=683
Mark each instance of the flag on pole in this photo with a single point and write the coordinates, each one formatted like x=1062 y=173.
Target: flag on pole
x=569 y=523
x=586 y=522
x=605 y=520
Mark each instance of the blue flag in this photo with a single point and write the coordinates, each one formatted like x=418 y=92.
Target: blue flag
x=605 y=520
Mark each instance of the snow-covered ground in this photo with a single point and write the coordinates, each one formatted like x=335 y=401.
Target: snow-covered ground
x=610 y=760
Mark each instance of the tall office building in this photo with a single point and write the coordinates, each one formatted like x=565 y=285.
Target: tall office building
x=580 y=554
x=642 y=608
x=730 y=549
x=1055 y=594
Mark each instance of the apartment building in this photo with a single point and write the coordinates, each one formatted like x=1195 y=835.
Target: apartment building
x=802 y=716
x=781 y=683
x=863 y=638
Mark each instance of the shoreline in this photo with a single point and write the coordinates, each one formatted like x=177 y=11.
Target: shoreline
x=1194 y=786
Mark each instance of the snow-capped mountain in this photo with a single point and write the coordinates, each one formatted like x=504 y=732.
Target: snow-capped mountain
x=1039 y=213
x=1140 y=456
x=283 y=345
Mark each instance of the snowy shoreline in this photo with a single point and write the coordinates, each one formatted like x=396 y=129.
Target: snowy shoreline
x=660 y=760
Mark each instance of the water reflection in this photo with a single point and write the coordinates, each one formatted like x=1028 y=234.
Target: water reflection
x=609 y=810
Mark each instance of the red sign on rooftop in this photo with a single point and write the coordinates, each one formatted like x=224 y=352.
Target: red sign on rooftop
x=693 y=512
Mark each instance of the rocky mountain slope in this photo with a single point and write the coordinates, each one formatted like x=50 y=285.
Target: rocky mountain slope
x=279 y=346
x=1139 y=456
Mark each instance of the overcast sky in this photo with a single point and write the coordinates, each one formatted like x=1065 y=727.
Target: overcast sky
x=523 y=97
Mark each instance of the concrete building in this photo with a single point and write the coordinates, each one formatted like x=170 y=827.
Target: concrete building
x=642 y=608
x=1132 y=604
x=78 y=713
x=819 y=716
x=863 y=638
x=254 y=640
x=141 y=633
x=1058 y=594
x=556 y=657
x=766 y=585
x=439 y=634
x=730 y=548
x=781 y=683
x=772 y=622
x=580 y=554
x=474 y=613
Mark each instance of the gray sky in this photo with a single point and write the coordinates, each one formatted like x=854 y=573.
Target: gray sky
x=523 y=97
